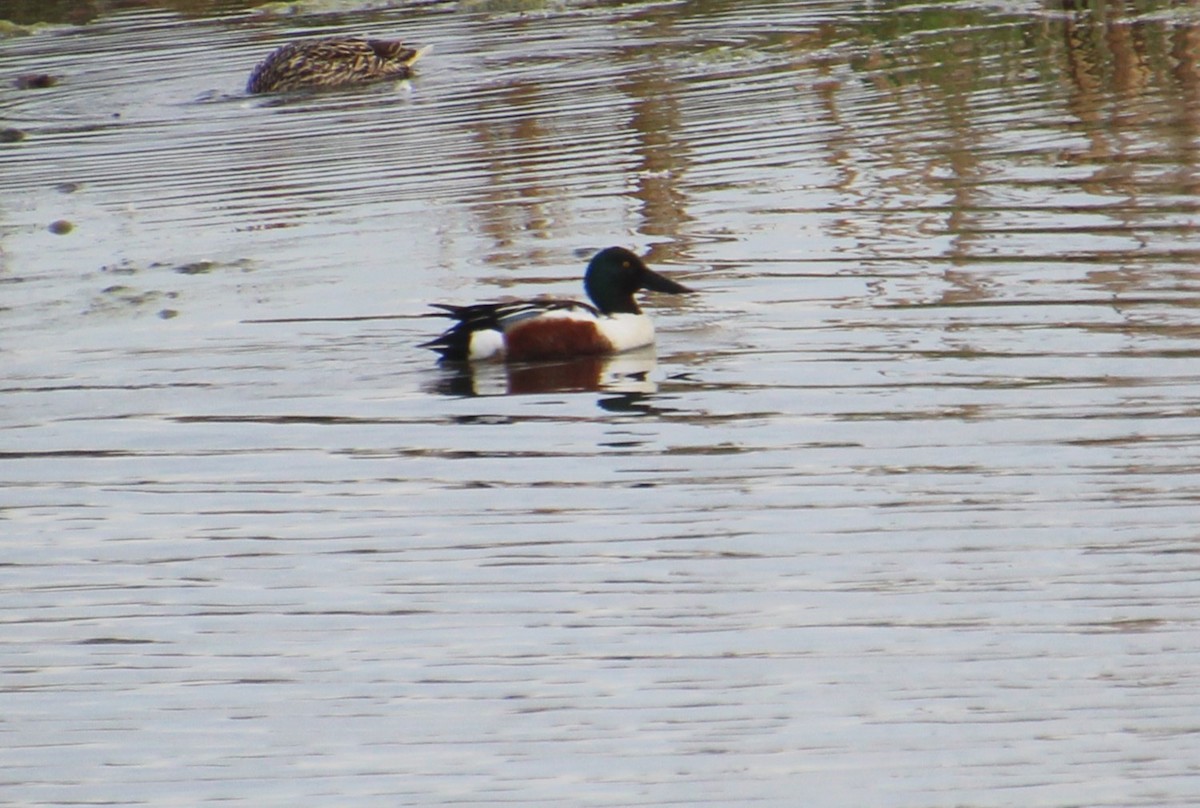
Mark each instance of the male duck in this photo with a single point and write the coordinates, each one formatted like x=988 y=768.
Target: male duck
x=541 y=329
x=332 y=63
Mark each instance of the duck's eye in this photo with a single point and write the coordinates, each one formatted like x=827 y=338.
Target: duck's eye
x=624 y=265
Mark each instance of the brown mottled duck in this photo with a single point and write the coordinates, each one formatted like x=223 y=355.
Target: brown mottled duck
x=332 y=63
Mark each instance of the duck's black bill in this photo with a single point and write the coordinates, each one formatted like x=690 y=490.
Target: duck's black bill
x=657 y=283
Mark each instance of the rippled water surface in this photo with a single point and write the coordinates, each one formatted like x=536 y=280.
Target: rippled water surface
x=903 y=513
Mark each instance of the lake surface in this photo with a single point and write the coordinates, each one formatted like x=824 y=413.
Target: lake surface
x=902 y=513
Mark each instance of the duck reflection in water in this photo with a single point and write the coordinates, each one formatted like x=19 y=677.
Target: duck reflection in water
x=626 y=373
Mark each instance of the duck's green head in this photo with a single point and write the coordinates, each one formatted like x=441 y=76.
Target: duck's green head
x=614 y=274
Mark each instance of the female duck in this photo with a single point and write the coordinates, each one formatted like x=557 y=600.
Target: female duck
x=541 y=329
x=332 y=63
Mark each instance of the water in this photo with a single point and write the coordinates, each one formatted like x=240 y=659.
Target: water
x=901 y=514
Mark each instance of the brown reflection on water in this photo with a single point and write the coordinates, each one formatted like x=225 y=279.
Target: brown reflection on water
x=1131 y=79
x=624 y=373
x=1131 y=92
x=662 y=152
x=908 y=112
x=516 y=202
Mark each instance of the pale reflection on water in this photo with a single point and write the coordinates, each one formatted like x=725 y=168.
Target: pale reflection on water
x=901 y=512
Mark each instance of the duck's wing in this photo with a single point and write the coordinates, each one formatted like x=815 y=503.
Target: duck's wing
x=455 y=342
x=504 y=315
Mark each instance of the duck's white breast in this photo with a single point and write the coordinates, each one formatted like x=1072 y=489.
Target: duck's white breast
x=627 y=331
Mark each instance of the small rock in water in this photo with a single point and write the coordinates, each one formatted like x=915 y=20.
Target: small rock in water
x=195 y=268
x=11 y=135
x=60 y=227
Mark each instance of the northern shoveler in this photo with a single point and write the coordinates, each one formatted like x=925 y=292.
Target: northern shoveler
x=331 y=63
x=541 y=329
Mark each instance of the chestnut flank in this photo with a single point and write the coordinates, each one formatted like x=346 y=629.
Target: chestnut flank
x=555 y=338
